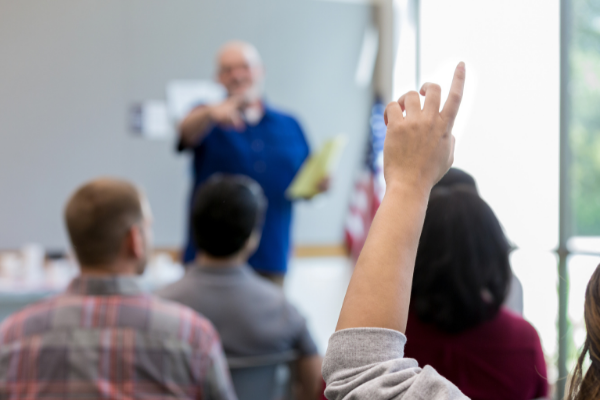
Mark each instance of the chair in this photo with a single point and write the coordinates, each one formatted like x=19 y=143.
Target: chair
x=266 y=377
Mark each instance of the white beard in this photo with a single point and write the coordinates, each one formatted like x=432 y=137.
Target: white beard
x=253 y=115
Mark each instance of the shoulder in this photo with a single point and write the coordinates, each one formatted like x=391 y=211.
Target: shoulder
x=283 y=117
x=272 y=297
x=276 y=112
x=516 y=327
x=172 y=291
x=32 y=320
x=184 y=314
x=264 y=287
x=182 y=322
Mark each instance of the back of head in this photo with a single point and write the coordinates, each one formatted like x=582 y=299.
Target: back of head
x=588 y=387
x=98 y=216
x=455 y=177
x=227 y=210
x=462 y=270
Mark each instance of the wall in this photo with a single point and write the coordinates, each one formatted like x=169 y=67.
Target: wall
x=71 y=69
x=507 y=131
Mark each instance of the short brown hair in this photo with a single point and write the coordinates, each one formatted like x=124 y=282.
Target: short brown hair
x=98 y=216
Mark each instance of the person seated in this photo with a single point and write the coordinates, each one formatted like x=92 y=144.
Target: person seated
x=456 y=322
x=104 y=337
x=250 y=313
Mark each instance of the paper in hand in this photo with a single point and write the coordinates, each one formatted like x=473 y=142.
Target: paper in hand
x=317 y=167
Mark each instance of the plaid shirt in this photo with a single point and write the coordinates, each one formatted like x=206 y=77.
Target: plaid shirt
x=105 y=339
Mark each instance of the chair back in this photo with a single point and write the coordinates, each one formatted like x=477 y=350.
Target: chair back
x=266 y=377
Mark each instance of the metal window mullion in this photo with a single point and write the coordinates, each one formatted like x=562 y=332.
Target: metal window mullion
x=565 y=215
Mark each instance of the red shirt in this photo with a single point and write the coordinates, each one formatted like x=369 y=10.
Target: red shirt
x=499 y=359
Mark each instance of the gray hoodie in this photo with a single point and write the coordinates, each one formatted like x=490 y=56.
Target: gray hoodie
x=369 y=364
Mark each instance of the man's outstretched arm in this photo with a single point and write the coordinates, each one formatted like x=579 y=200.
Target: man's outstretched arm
x=418 y=151
x=199 y=121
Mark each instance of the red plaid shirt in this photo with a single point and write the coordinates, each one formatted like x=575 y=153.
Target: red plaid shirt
x=105 y=339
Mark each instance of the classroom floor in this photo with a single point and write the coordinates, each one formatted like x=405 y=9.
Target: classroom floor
x=317 y=287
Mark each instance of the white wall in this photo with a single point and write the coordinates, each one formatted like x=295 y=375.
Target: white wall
x=70 y=70
x=507 y=130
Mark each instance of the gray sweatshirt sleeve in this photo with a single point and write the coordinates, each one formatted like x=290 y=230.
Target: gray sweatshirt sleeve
x=369 y=364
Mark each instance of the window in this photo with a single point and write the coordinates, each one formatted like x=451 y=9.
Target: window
x=508 y=129
x=584 y=132
x=583 y=57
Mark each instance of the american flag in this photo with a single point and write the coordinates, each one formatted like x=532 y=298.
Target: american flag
x=370 y=185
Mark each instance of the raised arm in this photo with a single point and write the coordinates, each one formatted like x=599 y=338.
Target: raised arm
x=418 y=151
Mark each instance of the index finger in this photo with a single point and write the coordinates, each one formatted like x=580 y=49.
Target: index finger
x=456 y=93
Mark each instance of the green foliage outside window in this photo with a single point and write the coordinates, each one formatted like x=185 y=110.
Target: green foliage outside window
x=585 y=117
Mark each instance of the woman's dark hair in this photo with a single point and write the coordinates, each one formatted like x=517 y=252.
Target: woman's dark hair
x=462 y=270
x=588 y=387
x=454 y=177
x=227 y=209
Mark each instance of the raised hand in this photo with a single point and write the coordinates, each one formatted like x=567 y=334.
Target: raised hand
x=418 y=150
x=419 y=147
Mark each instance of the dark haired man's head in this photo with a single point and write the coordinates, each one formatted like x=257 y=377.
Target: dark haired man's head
x=462 y=270
x=227 y=217
x=108 y=221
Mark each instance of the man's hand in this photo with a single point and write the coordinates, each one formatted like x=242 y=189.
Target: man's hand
x=228 y=113
x=198 y=122
x=419 y=147
x=324 y=184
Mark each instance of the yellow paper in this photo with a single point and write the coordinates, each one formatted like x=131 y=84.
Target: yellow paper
x=317 y=167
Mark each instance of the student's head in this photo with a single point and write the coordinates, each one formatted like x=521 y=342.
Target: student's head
x=587 y=387
x=462 y=270
x=455 y=177
x=227 y=216
x=109 y=224
x=240 y=70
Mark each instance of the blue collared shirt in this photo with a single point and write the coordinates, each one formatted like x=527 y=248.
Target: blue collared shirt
x=271 y=153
